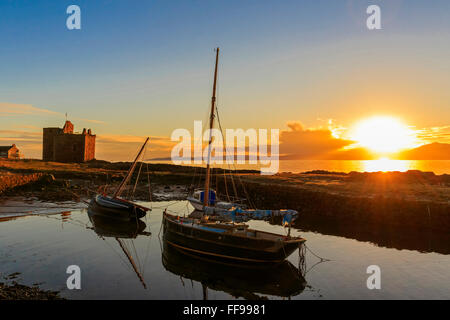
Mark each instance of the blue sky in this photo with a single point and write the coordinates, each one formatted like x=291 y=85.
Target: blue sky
x=145 y=67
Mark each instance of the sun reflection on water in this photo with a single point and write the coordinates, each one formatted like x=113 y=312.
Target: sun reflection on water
x=385 y=165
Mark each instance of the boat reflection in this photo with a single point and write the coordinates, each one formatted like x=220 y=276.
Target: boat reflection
x=253 y=283
x=106 y=227
x=120 y=230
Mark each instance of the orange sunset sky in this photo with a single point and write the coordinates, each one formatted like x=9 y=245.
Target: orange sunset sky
x=333 y=88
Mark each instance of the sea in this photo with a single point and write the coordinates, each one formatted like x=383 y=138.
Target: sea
x=38 y=249
x=439 y=167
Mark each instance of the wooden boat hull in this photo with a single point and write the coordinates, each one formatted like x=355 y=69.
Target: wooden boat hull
x=227 y=247
x=116 y=209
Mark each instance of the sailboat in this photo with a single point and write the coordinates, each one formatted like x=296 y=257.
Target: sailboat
x=206 y=200
x=116 y=207
x=222 y=240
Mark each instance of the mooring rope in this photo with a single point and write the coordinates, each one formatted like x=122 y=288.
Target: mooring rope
x=321 y=259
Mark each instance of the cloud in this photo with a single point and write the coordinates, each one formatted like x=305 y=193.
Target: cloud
x=125 y=147
x=322 y=144
x=22 y=109
x=90 y=120
x=29 y=143
x=25 y=126
x=434 y=134
x=110 y=147
x=301 y=143
x=7 y=108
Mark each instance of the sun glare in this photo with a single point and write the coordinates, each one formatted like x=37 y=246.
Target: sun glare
x=383 y=135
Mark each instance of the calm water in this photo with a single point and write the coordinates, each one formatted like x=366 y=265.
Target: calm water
x=436 y=166
x=296 y=166
x=41 y=247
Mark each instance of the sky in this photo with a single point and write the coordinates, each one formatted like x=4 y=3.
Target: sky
x=144 y=68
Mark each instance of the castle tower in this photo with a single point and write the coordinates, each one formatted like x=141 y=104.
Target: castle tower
x=63 y=145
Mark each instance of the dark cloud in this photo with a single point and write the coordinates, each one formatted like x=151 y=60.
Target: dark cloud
x=300 y=143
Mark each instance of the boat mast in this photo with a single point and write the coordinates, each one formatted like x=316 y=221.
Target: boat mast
x=130 y=259
x=211 y=125
x=130 y=172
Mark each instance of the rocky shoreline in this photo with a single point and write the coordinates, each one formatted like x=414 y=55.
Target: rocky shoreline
x=410 y=200
x=16 y=291
x=12 y=290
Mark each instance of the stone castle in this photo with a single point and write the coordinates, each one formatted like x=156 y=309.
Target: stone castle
x=63 y=145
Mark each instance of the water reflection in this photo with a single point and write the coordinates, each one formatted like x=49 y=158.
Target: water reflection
x=65 y=216
x=40 y=249
x=107 y=227
x=387 y=165
x=383 y=236
x=283 y=280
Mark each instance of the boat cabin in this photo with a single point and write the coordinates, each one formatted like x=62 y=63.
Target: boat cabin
x=200 y=196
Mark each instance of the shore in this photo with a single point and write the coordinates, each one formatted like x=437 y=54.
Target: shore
x=413 y=199
x=12 y=290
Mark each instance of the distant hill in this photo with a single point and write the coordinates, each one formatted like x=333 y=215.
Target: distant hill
x=432 y=151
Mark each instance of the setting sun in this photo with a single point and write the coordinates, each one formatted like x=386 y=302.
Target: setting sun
x=383 y=134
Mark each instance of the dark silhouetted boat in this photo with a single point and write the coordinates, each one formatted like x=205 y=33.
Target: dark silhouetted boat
x=106 y=227
x=283 y=280
x=116 y=207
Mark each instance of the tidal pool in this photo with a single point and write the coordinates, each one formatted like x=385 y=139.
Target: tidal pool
x=40 y=247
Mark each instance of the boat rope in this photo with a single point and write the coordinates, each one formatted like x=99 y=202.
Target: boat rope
x=197 y=175
x=124 y=262
x=147 y=251
x=127 y=253
x=226 y=151
x=149 y=188
x=318 y=257
x=77 y=195
x=224 y=155
x=148 y=178
x=250 y=203
x=136 y=182
x=226 y=185
x=160 y=227
x=302 y=259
